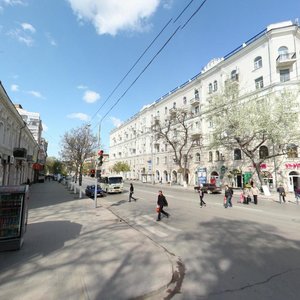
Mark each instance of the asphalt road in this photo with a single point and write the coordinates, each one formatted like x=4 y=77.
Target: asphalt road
x=244 y=252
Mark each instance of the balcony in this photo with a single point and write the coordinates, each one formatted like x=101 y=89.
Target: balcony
x=286 y=59
x=20 y=153
x=195 y=101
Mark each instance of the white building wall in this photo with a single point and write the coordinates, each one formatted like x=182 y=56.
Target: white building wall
x=135 y=133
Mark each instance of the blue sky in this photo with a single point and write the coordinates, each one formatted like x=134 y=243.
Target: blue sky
x=63 y=58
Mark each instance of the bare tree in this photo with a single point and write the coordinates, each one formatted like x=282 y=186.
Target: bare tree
x=176 y=132
x=76 y=146
x=250 y=122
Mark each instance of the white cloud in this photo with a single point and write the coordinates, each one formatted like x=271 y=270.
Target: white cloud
x=82 y=87
x=13 y=2
x=91 y=96
x=29 y=27
x=80 y=116
x=23 y=34
x=116 y=122
x=36 y=94
x=51 y=39
x=14 y=87
x=45 y=127
x=112 y=16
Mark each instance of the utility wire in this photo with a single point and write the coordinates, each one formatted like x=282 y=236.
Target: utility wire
x=125 y=76
x=195 y=12
x=183 y=11
x=119 y=99
x=165 y=44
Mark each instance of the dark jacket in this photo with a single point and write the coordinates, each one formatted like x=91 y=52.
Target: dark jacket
x=131 y=189
x=228 y=192
x=162 y=201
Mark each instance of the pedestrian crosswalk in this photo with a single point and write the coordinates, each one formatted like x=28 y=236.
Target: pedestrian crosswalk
x=149 y=225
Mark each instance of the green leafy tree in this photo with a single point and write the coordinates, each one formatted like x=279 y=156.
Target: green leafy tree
x=249 y=122
x=121 y=167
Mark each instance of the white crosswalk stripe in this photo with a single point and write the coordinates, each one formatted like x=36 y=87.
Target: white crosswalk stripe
x=163 y=224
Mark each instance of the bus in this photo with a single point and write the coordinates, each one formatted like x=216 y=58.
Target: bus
x=111 y=184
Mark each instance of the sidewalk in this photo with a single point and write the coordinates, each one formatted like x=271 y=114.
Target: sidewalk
x=75 y=251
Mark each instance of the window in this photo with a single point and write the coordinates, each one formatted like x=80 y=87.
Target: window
x=166 y=159
x=157 y=160
x=184 y=100
x=210 y=88
x=196 y=93
x=284 y=75
x=197 y=157
x=259 y=83
x=234 y=75
x=217 y=155
x=263 y=152
x=257 y=62
x=237 y=154
x=166 y=110
x=174 y=104
x=283 y=53
x=210 y=156
x=215 y=85
x=196 y=110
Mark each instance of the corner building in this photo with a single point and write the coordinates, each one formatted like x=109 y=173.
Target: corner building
x=267 y=62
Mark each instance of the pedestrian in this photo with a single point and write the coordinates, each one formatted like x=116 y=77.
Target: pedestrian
x=201 y=196
x=228 y=196
x=246 y=194
x=255 y=192
x=297 y=194
x=281 y=192
x=161 y=202
x=131 y=191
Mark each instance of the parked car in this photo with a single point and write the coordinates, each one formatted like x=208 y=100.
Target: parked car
x=90 y=191
x=209 y=188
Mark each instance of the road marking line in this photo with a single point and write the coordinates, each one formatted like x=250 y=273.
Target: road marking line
x=162 y=224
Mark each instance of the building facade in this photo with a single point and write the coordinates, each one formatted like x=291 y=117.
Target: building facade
x=267 y=62
x=18 y=147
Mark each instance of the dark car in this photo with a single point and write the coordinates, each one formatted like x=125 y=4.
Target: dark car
x=209 y=188
x=90 y=191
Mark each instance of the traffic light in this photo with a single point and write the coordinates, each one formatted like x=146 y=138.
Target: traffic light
x=92 y=173
x=100 y=158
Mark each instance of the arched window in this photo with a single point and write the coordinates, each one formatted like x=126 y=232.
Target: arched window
x=197 y=157
x=210 y=88
x=166 y=110
x=215 y=85
x=217 y=155
x=174 y=104
x=184 y=100
x=292 y=151
x=237 y=154
x=263 y=152
x=210 y=156
x=196 y=93
x=257 y=62
x=283 y=52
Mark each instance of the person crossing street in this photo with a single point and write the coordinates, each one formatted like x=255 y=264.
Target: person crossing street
x=161 y=202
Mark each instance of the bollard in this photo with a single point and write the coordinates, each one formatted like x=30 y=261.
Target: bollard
x=80 y=193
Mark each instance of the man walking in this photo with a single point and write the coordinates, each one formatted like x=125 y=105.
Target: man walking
x=131 y=190
x=228 y=196
x=201 y=195
x=161 y=202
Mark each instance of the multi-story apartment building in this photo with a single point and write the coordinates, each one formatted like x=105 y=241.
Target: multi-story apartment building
x=268 y=61
x=18 y=148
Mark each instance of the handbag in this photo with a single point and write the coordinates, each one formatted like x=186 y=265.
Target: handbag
x=157 y=208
